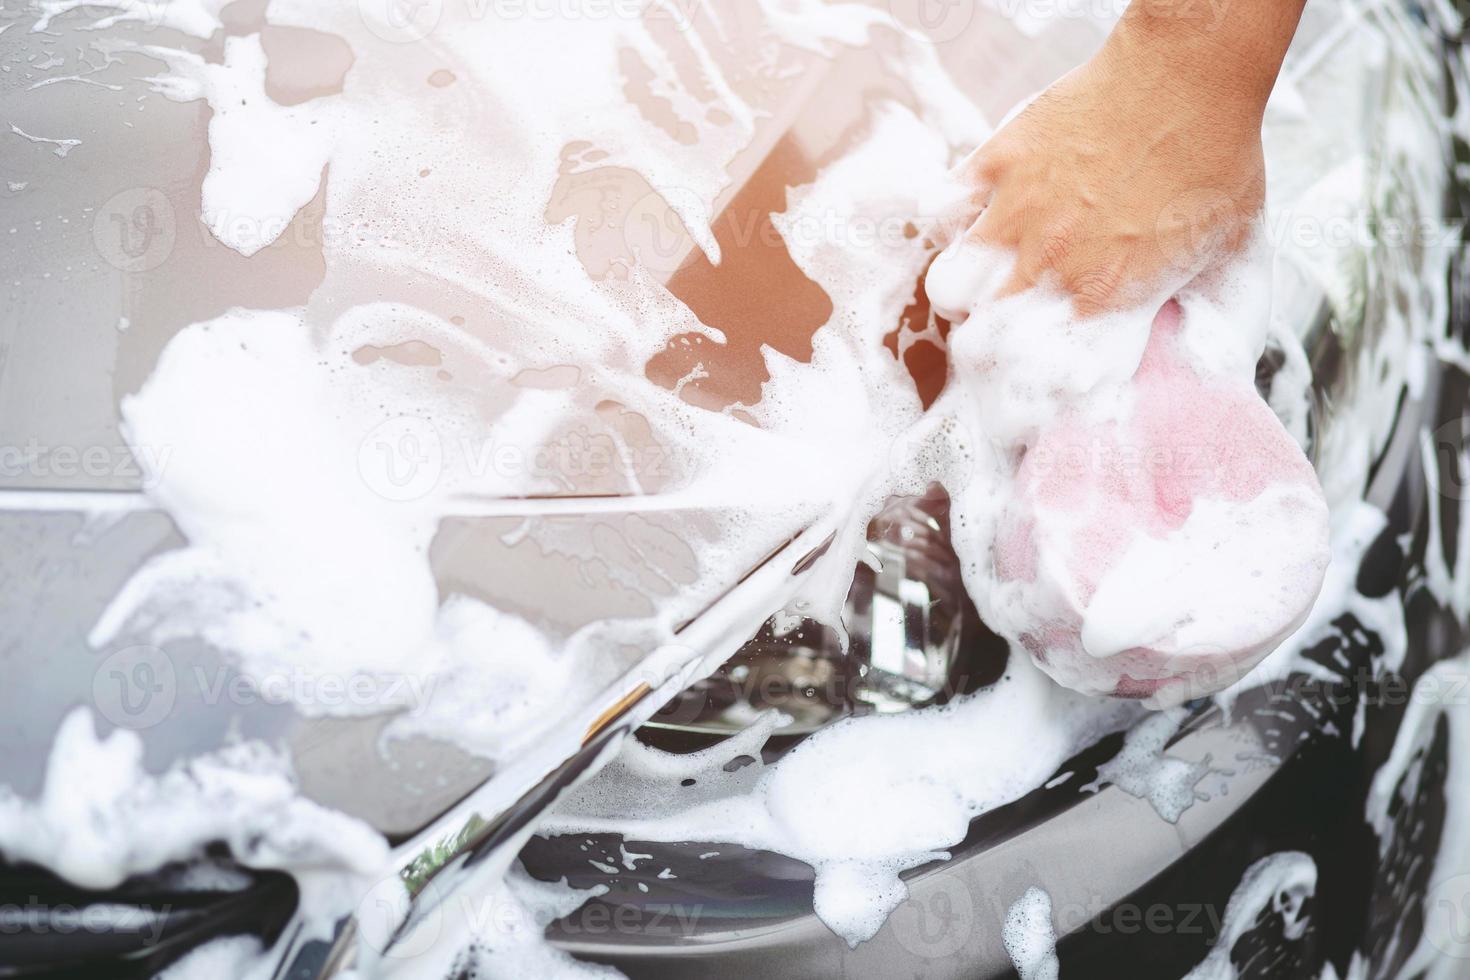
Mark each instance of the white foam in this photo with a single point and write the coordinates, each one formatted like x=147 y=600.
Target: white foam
x=815 y=25
x=1142 y=769
x=265 y=159
x=1354 y=529
x=1440 y=693
x=86 y=824
x=199 y=18
x=1030 y=938
x=60 y=146
x=506 y=933
x=1357 y=969
x=903 y=811
x=1450 y=586
x=1280 y=882
x=1161 y=593
x=490 y=926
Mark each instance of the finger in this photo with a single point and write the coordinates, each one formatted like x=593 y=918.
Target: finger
x=1003 y=223
x=976 y=171
x=972 y=186
x=1045 y=255
x=1103 y=284
x=967 y=271
x=1005 y=231
x=982 y=172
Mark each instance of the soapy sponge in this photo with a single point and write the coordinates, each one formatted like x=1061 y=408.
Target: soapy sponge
x=1162 y=555
x=1151 y=530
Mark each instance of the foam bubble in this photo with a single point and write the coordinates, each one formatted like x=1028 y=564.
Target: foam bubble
x=1030 y=938
x=1280 y=883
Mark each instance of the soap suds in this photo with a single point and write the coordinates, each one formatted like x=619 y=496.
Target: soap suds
x=1030 y=938
x=490 y=926
x=1355 y=526
x=508 y=945
x=198 y=18
x=1449 y=586
x=265 y=159
x=86 y=823
x=96 y=794
x=293 y=453
x=1440 y=694
x=1280 y=883
x=310 y=486
x=904 y=812
x=59 y=146
x=1142 y=769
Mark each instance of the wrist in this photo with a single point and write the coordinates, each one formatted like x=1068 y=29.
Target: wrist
x=1183 y=65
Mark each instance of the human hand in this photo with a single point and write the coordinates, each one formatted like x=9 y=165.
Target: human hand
x=1138 y=170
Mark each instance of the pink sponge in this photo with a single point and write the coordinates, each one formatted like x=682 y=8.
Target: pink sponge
x=1161 y=556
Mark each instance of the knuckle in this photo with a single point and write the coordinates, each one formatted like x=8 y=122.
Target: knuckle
x=1056 y=245
x=996 y=227
x=982 y=167
x=1095 y=288
x=988 y=168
